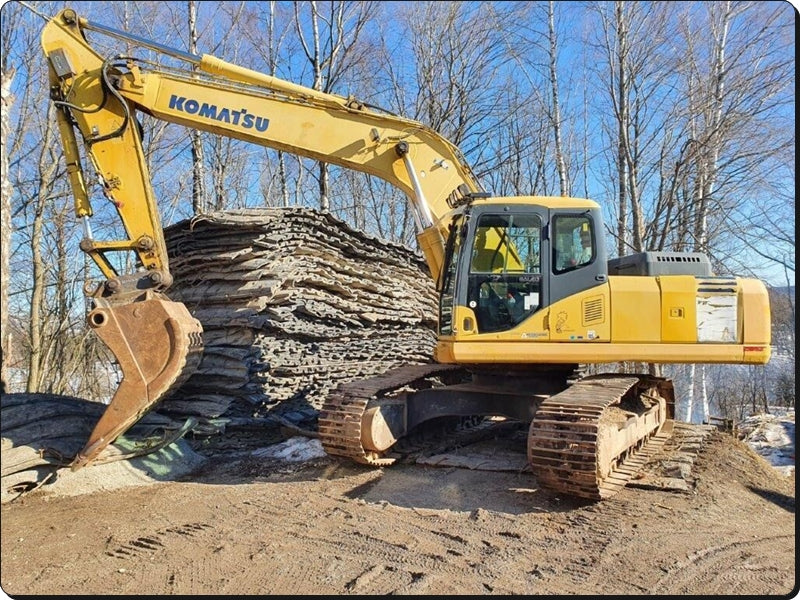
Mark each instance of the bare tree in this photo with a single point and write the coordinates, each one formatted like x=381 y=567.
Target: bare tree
x=456 y=76
x=266 y=37
x=733 y=87
x=454 y=82
x=10 y=142
x=327 y=52
x=6 y=98
x=630 y=44
x=622 y=105
x=198 y=166
x=706 y=106
x=636 y=81
x=47 y=165
x=563 y=180
x=523 y=148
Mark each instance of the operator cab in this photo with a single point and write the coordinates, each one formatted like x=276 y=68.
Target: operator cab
x=507 y=261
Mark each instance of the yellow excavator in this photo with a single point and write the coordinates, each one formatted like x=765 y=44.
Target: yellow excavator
x=527 y=295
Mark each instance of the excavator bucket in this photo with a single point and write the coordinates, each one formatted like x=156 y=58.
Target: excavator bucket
x=158 y=345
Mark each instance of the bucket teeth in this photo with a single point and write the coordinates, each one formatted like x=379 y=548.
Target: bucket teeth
x=158 y=345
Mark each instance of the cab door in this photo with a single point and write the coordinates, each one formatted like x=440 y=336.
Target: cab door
x=505 y=266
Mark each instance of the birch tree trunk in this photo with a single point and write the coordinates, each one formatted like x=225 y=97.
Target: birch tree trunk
x=712 y=138
x=564 y=185
x=198 y=161
x=622 y=120
x=686 y=414
x=7 y=100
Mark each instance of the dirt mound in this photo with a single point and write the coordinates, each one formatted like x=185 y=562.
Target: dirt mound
x=737 y=461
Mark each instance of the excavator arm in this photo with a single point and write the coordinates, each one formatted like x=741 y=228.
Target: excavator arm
x=101 y=96
x=156 y=341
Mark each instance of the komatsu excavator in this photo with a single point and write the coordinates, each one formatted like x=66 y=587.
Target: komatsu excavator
x=527 y=296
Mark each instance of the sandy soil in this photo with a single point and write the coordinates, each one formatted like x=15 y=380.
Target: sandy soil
x=258 y=525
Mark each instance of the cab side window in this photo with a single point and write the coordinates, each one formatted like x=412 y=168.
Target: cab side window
x=574 y=243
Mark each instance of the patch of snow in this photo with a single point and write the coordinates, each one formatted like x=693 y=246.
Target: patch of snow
x=772 y=436
x=295 y=449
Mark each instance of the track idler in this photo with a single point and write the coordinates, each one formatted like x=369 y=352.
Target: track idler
x=158 y=345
